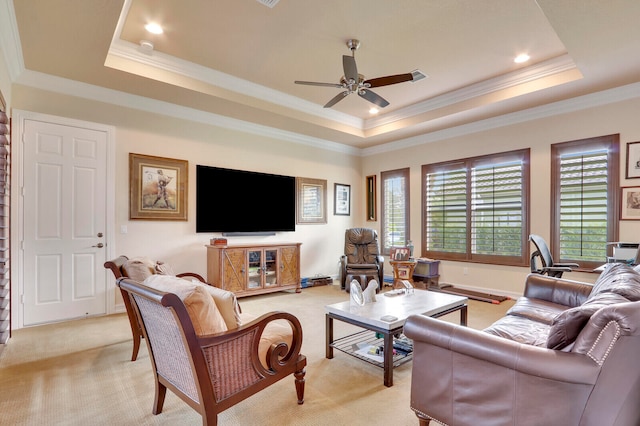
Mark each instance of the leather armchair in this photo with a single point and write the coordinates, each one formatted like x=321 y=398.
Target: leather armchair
x=361 y=256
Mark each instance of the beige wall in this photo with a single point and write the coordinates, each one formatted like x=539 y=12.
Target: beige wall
x=198 y=143
x=538 y=135
x=177 y=242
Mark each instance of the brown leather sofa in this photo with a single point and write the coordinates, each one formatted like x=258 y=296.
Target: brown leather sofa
x=565 y=354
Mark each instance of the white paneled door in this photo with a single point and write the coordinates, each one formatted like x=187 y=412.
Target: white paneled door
x=64 y=169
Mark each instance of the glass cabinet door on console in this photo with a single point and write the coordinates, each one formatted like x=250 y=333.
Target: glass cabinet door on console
x=254 y=272
x=270 y=268
x=263 y=271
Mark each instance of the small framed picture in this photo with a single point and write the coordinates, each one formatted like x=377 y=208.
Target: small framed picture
x=399 y=253
x=403 y=273
x=633 y=160
x=630 y=203
x=342 y=200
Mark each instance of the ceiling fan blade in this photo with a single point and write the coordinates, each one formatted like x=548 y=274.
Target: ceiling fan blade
x=390 y=79
x=314 y=83
x=337 y=98
x=373 y=98
x=350 y=68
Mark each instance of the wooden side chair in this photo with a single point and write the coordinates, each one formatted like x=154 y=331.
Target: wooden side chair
x=138 y=270
x=212 y=370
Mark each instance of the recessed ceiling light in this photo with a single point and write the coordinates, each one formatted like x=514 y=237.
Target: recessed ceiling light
x=521 y=58
x=153 y=28
x=373 y=111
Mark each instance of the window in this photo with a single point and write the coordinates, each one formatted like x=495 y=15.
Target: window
x=395 y=209
x=584 y=201
x=477 y=209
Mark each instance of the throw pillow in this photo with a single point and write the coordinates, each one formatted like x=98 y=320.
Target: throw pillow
x=618 y=278
x=164 y=269
x=227 y=304
x=138 y=269
x=567 y=326
x=202 y=310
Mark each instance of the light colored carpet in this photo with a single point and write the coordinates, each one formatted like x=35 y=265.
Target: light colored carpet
x=80 y=373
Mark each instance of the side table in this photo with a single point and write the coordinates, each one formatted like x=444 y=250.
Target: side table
x=402 y=270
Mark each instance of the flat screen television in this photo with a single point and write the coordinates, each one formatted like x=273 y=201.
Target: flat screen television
x=243 y=202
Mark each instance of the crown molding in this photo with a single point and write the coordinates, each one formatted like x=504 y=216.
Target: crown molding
x=535 y=72
x=10 y=40
x=618 y=94
x=114 y=97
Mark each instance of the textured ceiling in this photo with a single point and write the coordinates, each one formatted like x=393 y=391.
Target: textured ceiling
x=239 y=59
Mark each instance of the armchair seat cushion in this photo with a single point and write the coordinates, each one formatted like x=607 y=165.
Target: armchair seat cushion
x=202 y=310
x=274 y=333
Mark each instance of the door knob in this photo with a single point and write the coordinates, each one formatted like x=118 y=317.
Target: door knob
x=99 y=245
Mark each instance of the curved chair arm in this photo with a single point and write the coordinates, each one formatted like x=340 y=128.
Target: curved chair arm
x=233 y=360
x=191 y=274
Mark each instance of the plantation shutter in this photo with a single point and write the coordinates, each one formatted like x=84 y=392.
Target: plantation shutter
x=584 y=206
x=446 y=210
x=497 y=209
x=394 y=223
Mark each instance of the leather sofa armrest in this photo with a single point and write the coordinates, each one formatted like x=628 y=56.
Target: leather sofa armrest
x=480 y=347
x=557 y=290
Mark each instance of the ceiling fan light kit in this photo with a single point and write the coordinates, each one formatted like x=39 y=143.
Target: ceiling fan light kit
x=353 y=82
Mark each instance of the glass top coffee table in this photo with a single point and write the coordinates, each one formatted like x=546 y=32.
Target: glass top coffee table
x=384 y=319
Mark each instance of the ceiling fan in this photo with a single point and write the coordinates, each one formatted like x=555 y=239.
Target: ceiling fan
x=352 y=82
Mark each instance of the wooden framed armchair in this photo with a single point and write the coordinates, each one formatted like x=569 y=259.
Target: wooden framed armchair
x=139 y=270
x=212 y=371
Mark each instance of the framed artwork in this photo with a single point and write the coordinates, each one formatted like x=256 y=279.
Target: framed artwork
x=403 y=272
x=633 y=160
x=158 y=188
x=342 y=199
x=371 y=198
x=630 y=199
x=311 y=204
x=399 y=253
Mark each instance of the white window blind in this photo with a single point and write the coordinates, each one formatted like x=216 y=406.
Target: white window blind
x=583 y=206
x=446 y=210
x=477 y=209
x=395 y=211
x=497 y=206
